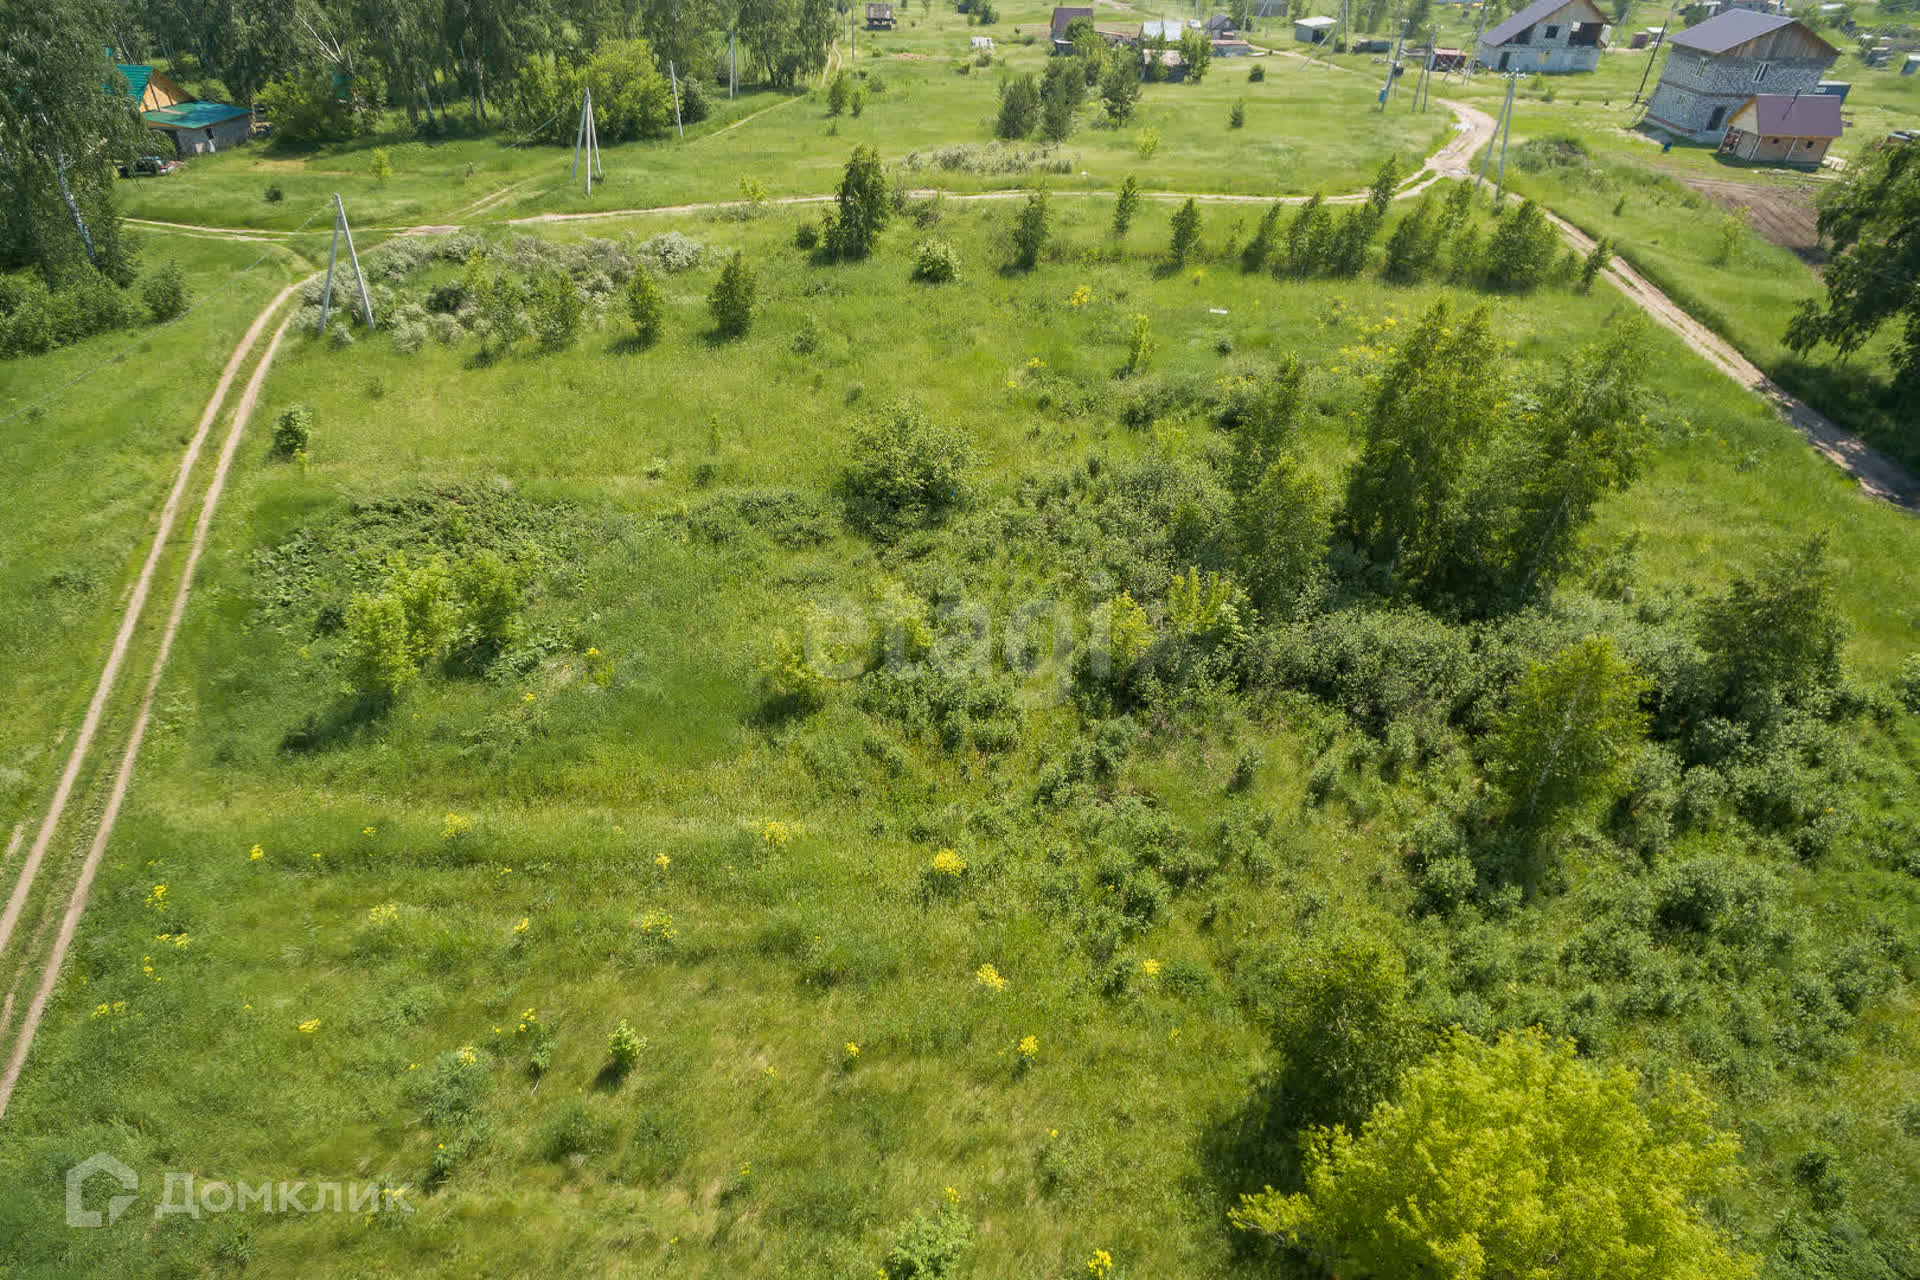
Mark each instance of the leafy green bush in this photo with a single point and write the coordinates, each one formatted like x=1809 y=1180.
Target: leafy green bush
x=1030 y=230
x=624 y=1047
x=732 y=299
x=557 y=308
x=165 y=292
x=936 y=262
x=646 y=306
x=292 y=431
x=929 y=1248
x=904 y=472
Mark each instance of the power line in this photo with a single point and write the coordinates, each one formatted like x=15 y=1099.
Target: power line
x=147 y=335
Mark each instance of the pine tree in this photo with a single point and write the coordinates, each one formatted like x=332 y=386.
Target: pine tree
x=862 y=206
x=1186 y=233
x=1265 y=238
x=1019 y=108
x=732 y=299
x=1125 y=206
x=1030 y=230
x=645 y=306
x=1120 y=89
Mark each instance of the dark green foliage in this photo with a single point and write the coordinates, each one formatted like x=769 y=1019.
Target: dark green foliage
x=936 y=262
x=292 y=431
x=732 y=299
x=1775 y=635
x=1119 y=90
x=556 y=308
x=165 y=292
x=646 y=307
x=1125 y=205
x=1595 y=262
x=1265 y=241
x=1030 y=230
x=1186 y=234
x=1522 y=250
x=1256 y=74
x=1873 y=228
x=1019 y=108
x=837 y=91
x=904 y=472
x=1309 y=237
x=862 y=206
x=1414 y=246
x=1063 y=88
x=1237 y=116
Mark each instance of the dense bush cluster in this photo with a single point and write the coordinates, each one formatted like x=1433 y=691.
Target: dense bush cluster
x=35 y=318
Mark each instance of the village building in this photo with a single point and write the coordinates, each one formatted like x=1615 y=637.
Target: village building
x=1714 y=68
x=879 y=17
x=1548 y=35
x=1313 y=30
x=192 y=128
x=1785 y=128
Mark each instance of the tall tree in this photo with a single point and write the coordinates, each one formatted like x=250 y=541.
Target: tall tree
x=1873 y=226
x=1563 y=745
x=1516 y=1159
x=1441 y=394
x=65 y=120
x=861 y=207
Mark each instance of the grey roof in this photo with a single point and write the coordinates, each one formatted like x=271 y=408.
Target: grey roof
x=1538 y=11
x=1797 y=115
x=1729 y=28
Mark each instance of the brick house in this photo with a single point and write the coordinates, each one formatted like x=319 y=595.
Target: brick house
x=1547 y=35
x=1714 y=68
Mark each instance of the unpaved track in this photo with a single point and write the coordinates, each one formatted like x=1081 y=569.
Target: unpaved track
x=1879 y=476
x=77 y=902
x=129 y=622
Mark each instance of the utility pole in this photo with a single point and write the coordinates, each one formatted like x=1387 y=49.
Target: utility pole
x=1499 y=127
x=1473 y=46
x=1393 y=65
x=674 y=77
x=1423 y=86
x=1500 y=181
x=1658 y=45
x=733 y=65
x=587 y=138
x=341 y=228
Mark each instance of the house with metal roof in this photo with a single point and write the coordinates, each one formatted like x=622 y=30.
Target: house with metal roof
x=1316 y=30
x=1547 y=35
x=1785 y=128
x=149 y=87
x=201 y=128
x=1713 y=69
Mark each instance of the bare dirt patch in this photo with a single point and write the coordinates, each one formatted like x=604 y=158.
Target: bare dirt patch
x=1782 y=212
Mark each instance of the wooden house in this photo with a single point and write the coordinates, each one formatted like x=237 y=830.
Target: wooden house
x=879 y=17
x=1785 y=128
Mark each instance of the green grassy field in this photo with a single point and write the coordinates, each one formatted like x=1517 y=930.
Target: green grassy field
x=102 y=453
x=616 y=828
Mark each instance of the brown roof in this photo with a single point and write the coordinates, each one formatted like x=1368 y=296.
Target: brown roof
x=1794 y=115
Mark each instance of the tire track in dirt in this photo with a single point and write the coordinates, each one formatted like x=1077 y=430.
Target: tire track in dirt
x=22 y=1042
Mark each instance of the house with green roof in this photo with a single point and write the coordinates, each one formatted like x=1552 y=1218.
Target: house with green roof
x=194 y=128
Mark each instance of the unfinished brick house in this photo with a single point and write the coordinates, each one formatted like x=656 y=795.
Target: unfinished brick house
x=1714 y=68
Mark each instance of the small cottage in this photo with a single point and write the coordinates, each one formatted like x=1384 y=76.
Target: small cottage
x=201 y=128
x=1547 y=35
x=879 y=17
x=1783 y=128
x=149 y=87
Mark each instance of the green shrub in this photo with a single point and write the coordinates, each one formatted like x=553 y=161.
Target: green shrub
x=936 y=262
x=646 y=306
x=1019 y=108
x=1906 y=684
x=732 y=299
x=1186 y=233
x=1237 y=117
x=1256 y=74
x=165 y=292
x=624 y=1046
x=1522 y=250
x=1030 y=230
x=557 y=308
x=292 y=431
x=929 y=1248
x=489 y=603
x=575 y=1129
x=904 y=471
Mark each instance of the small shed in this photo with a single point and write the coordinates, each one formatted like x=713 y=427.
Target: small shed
x=1234 y=48
x=201 y=128
x=1786 y=128
x=1911 y=65
x=1219 y=27
x=983 y=44
x=1834 y=89
x=879 y=17
x=1445 y=61
x=1313 y=30
x=1063 y=16
x=1173 y=67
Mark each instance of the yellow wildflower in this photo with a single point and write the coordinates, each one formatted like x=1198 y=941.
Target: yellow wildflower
x=662 y=861
x=989 y=977
x=521 y=928
x=255 y=854
x=310 y=1026
x=1029 y=1045
x=1150 y=967
x=949 y=863
x=157 y=897
x=455 y=826
x=385 y=913
x=1099 y=1264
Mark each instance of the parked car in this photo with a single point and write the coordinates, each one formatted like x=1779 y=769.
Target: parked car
x=149 y=167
